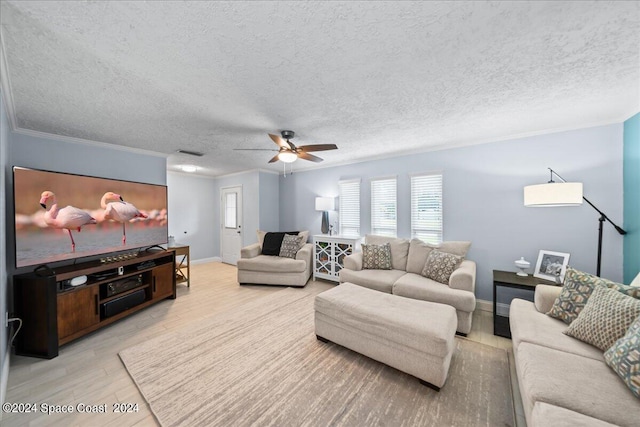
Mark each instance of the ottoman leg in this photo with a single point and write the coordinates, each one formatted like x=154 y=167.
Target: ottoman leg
x=322 y=339
x=431 y=386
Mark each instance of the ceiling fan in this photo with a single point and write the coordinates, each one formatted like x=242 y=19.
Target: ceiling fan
x=289 y=152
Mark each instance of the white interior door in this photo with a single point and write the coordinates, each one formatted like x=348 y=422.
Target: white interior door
x=231 y=224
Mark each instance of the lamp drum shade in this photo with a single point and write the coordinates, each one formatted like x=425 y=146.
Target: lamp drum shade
x=325 y=204
x=553 y=194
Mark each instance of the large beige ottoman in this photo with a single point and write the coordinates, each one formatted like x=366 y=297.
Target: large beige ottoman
x=413 y=336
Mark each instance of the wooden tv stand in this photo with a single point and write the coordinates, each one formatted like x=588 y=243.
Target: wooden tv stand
x=54 y=313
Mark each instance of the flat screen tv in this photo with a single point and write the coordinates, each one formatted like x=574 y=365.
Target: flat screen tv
x=61 y=216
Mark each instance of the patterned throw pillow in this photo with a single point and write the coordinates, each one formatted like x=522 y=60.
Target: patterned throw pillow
x=605 y=318
x=376 y=257
x=290 y=245
x=624 y=358
x=440 y=265
x=576 y=291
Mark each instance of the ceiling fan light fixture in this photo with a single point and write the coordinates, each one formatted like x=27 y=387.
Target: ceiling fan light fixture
x=287 y=157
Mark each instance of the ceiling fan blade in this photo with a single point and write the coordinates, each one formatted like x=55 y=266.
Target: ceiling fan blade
x=308 y=156
x=274 y=159
x=254 y=149
x=279 y=141
x=318 y=147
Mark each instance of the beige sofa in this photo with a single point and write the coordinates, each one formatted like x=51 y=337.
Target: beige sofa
x=564 y=381
x=404 y=279
x=255 y=268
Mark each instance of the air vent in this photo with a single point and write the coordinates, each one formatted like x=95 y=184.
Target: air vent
x=191 y=153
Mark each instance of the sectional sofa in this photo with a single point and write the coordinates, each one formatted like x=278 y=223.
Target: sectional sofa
x=564 y=381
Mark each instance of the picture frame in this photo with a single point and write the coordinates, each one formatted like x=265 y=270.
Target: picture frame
x=551 y=265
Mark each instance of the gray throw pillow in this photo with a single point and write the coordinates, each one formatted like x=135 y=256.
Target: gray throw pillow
x=376 y=257
x=578 y=287
x=605 y=318
x=624 y=358
x=440 y=266
x=290 y=245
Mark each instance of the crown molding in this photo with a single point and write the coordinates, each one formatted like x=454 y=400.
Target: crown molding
x=73 y=140
x=5 y=85
x=461 y=144
x=248 y=171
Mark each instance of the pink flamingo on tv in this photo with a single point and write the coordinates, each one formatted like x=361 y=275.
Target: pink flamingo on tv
x=68 y=218
x=116 y=209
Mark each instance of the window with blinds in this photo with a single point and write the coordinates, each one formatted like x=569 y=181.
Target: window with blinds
x=384 y=212
x=426 y=207
x=349 y=211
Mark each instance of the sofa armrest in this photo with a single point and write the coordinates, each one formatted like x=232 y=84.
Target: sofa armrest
x=545 y=296
x=305 y=253
x=353 y=261
x=250 y=251
x=464 y=277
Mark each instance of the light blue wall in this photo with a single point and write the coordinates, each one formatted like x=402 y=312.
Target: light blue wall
x=192 y=205
x=269 y=201
x=86 y=159
x=632 y=197
x=4 y=170
x=483 y=202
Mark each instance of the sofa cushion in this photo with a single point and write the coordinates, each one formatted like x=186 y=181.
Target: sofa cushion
x=624 y=358
x=376 y=257
x=544 y=414
x=417 y=257
x=605 y=319
x=399 y=249
x=578 y=287
x=290 y=246
x=440 y=265
x=272 y=264
x=530 y=325
x=456 y=247
x=419 y=251
x=418 y=287
x=576 y=383
x=379 y=280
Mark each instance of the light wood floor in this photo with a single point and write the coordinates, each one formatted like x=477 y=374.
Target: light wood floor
x=89 y=371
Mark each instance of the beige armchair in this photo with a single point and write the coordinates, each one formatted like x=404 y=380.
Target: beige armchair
x=254 y=268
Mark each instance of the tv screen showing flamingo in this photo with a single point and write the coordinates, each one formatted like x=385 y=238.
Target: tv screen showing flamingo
x=60 y=216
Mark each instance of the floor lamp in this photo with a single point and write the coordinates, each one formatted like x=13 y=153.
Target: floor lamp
x=553 y=194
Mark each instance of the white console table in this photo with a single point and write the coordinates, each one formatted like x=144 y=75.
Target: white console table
x=329 y=253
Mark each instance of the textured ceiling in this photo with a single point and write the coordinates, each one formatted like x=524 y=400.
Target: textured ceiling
x=377 y=79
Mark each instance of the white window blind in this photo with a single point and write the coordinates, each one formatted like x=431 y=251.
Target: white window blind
x=349 y=207
x=426 y=207
x=384 y=207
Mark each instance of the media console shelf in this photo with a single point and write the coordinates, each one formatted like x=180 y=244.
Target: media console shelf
x=54 y=313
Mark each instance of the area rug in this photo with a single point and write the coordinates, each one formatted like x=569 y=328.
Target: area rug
x=261 y=364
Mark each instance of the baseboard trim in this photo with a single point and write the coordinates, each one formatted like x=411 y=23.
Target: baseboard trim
x=484 y=305
x=206 y=260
